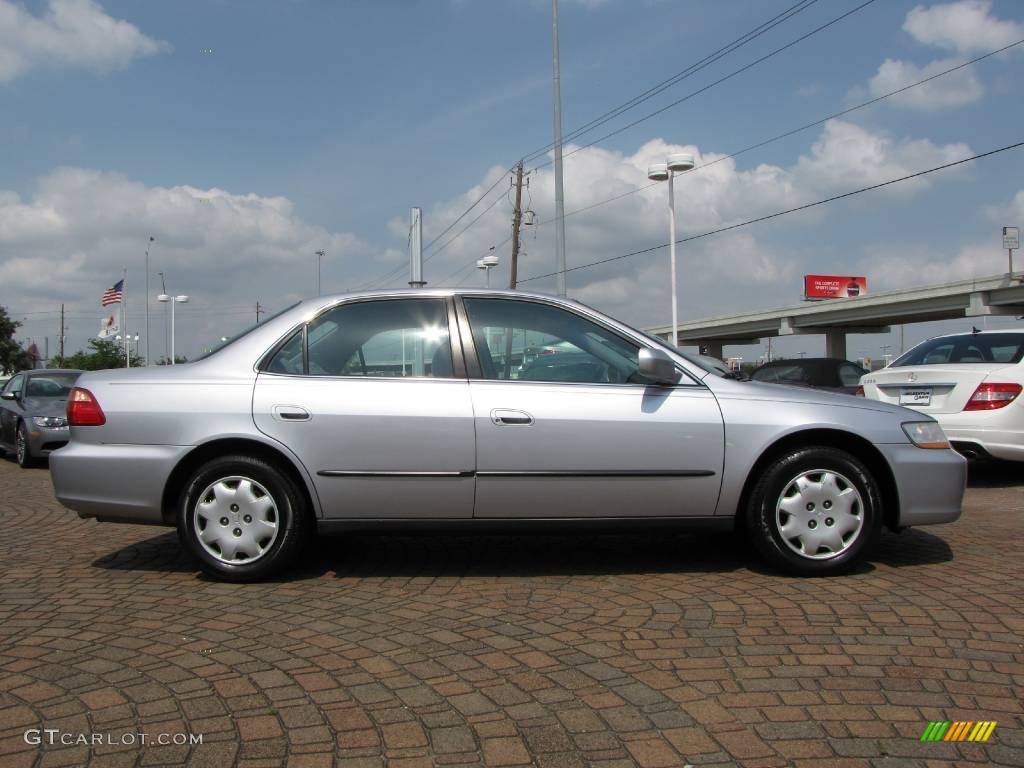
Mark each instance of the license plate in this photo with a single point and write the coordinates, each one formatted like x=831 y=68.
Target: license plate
x=916 y=397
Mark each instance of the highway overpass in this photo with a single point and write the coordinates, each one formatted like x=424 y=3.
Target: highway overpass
x=872 y=313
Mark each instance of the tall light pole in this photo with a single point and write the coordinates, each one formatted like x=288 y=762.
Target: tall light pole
x=667 y=172
x=163 y=290
x=487 y=263
x=319 y=255
x=559 y=194
x=164 y=298
x=148 y=353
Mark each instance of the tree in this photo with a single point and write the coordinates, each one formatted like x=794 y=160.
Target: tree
x=164 y=360
x=12 y=357
x=104 y=354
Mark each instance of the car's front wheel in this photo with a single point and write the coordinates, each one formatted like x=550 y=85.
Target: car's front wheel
x=242 y=518
x=814 y=511
x=22 y=449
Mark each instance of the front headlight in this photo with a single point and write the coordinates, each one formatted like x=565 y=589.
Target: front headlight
x=50 y=421
x=926 y=434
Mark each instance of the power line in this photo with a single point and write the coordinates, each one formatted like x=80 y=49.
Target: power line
x=680 y=76
x=718 y=82
x=789 y=133
x=644 y=96
x=783 y=213
x=795 y=131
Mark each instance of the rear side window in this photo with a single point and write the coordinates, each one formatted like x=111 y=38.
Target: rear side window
x=977 y=348
x=392 y=338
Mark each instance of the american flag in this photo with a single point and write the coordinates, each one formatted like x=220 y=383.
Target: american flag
x=113 y=294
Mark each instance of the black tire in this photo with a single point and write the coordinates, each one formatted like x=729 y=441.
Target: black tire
x=766 y=512
x=22 y=448
x=290 y=514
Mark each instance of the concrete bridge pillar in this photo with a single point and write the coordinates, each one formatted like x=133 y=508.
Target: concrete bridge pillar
x=835 y=344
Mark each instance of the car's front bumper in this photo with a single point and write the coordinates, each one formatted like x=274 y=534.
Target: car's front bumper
x=930 y=483
x=114 y=483
x=43 y=440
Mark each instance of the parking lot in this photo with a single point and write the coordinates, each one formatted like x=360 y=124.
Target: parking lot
x=550 y=650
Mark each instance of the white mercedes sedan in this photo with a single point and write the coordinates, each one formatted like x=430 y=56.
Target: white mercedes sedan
x=970 y=383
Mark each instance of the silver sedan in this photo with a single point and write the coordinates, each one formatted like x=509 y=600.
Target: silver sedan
x=430 y=408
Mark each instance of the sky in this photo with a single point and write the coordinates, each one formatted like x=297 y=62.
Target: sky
x=244 y=135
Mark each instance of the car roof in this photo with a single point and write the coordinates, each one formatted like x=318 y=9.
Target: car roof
x=977 y=333
x=50 y=371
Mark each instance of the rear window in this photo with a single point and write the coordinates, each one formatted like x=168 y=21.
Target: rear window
x=977 y=348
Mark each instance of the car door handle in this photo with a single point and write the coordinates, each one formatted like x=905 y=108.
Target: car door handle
x=506 y=417
x=290 y=413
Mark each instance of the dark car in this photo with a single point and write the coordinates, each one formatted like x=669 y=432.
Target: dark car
x=33 y=420
x=831 y=373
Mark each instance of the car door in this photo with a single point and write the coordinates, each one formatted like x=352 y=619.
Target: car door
x=566 y=426
x=371 y=398
x=9 y=409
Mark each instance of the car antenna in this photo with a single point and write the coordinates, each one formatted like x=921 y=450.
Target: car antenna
x=975 y=329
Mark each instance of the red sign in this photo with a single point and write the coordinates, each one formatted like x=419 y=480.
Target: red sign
x=834 y=286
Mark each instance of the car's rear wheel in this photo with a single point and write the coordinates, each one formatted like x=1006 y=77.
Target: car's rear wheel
x=22 y=449
x=242 y=518
x=814 y=511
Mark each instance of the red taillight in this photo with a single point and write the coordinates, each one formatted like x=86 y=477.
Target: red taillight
x=989 y=396
x=859 y=392
x=84 y=410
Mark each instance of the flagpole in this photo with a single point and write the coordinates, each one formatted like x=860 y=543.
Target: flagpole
x=124 y=313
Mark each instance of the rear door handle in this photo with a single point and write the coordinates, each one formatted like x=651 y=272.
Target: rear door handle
x=290 y=413
x=506 y=417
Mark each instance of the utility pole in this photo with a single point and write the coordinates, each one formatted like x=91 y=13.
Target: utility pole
x=517 y=220
x=258 y=312
x=61 y=339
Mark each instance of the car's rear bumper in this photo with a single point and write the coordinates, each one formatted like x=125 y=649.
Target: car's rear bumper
x=114 y=483
x=999 y=443
x=930 y=483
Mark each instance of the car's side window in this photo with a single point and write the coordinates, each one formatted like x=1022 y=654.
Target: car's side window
x=530 y=341
x=391 y=338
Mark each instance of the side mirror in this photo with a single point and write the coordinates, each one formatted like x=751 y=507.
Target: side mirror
x=658 y=366
x=7 y=395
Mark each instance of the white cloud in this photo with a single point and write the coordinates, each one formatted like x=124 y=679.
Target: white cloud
x=967 y=27
x=721 y=274
x=953 y=90
x=80 y=227
x=77 y=33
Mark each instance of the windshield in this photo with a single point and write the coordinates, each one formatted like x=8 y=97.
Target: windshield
x=989 y=348
x=231 y=340
x=50 y=385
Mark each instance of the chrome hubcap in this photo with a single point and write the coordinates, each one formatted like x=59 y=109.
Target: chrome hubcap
x=820 y=514
x=236 y=520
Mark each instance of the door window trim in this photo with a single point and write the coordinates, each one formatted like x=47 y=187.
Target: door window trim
x=458 y=357
x=475 y=369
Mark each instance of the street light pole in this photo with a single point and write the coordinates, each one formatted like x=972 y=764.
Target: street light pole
x=319 y=255
x=667 y=172
x=164 y=298
x=148 y=351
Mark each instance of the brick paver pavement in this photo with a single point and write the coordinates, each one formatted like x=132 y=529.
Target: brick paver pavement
x=601 y=650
